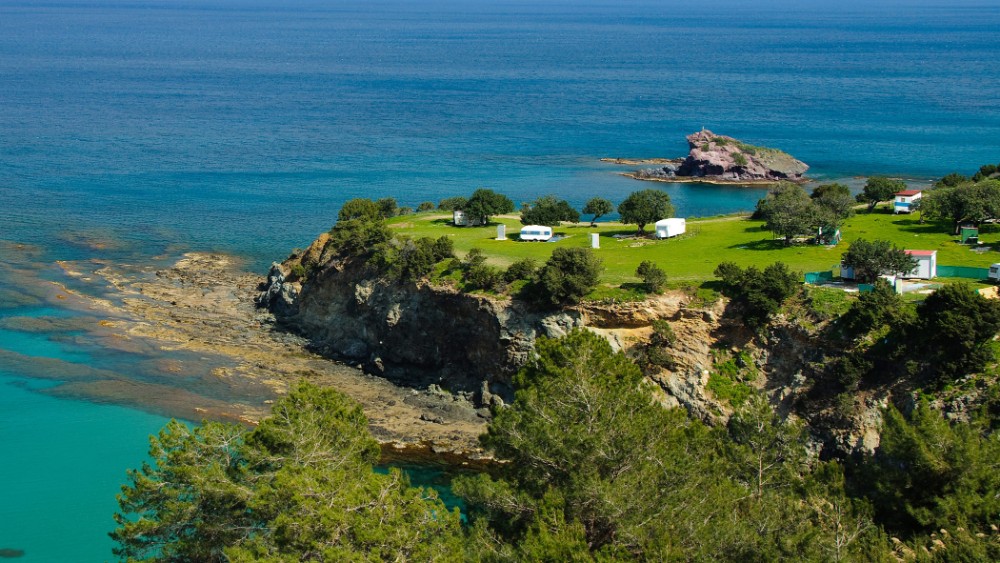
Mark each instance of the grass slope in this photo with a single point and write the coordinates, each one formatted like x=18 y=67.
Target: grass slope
x=692 y=257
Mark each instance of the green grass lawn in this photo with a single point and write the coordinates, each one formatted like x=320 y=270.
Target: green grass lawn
x=692 y=257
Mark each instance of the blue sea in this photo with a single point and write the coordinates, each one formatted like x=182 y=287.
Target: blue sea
x=133 y=131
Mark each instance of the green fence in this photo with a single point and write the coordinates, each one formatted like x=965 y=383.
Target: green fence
x=866 y=287
x=963 y=272
x=819 y=277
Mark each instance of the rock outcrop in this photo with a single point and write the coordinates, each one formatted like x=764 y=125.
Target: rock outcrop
x=720 y=159
x=413 y=333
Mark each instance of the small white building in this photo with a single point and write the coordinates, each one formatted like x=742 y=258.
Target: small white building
x=461 y=219
x=926 y=264
x=666 y=228
x=906 y=201
x=536 y=232
x=994 y=274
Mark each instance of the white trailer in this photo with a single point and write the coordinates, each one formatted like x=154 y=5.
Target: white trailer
x=666 y=228
x=536 y=232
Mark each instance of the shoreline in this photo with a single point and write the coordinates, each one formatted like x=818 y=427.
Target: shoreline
x=715 y=181
x=203 y=306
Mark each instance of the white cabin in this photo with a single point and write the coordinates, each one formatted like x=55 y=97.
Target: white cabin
x=666 y=228
x=994 y=274
x=536 y=232
x=906 y=200
x=462 y=220
x=926 y=264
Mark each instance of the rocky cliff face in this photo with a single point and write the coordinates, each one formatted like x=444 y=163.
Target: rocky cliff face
x=414 y=334
x=727 y=160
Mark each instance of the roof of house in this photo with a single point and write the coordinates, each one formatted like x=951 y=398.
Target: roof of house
x=907 y=193
x=921 y=252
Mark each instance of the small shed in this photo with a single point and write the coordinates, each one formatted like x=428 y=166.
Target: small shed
x=666 y=228
x=536 y=232
x=906 y=201
x=967 y=232
x=461 y=219
x=926 y=264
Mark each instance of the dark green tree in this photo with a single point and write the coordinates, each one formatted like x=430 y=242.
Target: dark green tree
x=951 y=180
x=789 y=212
x=878 y=189
x=835 y=203
x=354 y=237
x=873 y=310
x=387 y=207
x=986 y=172
x=485 y=203
x=598 y=207
x=644 y=207
x=425 y=206
x=871 y=259
x=300 y=486
x=360 y=208
x=929 y=475
x=452 y=203
x=965 y=203
x=547 y=210
x=652 y=275
x=956 y=326
x=587 y=449
x=567 y=276
x=758 y=294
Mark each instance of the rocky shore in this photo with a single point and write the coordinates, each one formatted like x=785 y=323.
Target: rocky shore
x=718 y=159
x=202 y=308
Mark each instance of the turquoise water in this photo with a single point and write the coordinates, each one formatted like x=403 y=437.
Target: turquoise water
x=132 y=131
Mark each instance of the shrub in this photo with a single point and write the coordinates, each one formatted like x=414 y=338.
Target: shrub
x=523 y=269
x=739 y=159
x=359 y=208
x=651 y=275
x=425 y=206
x=387 y=207
x=758 y=293
x=452 y=203
x=567 y=276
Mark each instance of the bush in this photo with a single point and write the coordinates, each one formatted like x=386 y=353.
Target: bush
x=739 y=159
x=651 y=275
x=425 y=206
x=567 y=276
x=387 y=207
x=523 y=269
x=758 y=293
x=452 y=203
x=354 y=237
x=359 y=208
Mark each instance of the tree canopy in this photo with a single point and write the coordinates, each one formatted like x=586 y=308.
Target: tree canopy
x=789 y=212
x=547 y=210
x=871 y=259
x=956 y=328
x=567 y=276
x=878 y=189
x=964 y=203
x=484 y=203
x=598 y=207
x=834 y=202
x=758 y=293
x=644 y=207
x=298 y=487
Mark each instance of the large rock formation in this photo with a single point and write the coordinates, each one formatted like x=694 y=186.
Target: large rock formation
x=413 y=333
x=721 y=159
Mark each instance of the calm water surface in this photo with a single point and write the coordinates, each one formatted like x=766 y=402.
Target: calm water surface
x=134 y=131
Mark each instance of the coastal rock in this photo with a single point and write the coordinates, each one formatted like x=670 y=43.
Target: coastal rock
x=722 y=159
x=413 y=334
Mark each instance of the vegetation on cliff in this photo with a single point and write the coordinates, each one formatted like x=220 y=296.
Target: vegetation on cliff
x=594 y=469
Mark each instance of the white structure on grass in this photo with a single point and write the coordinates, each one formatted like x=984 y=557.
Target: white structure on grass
x=906 y=201
x=536 y=232
x=666 y=228
x=926 y=264
x=461 y=219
